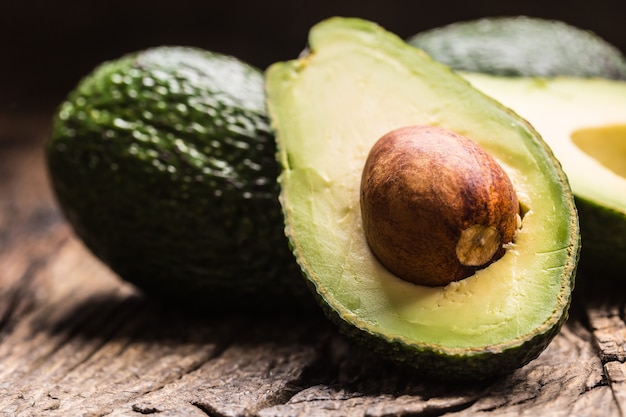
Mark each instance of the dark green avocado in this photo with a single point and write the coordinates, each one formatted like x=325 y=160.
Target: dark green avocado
x=522 y=46
x=356 y=83
x=164 y=163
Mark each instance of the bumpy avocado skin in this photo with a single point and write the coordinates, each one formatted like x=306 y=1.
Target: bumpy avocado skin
x=522 y=46
x=164 y=163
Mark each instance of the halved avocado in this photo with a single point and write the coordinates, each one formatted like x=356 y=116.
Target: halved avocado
x=356 y=83
x=584 y=122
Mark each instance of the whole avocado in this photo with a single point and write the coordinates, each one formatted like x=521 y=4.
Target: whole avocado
x=163 y=162
x=522 y=46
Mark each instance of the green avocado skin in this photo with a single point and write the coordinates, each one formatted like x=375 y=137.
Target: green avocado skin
x=603 y=233
x=522 y=45
x=163 y=162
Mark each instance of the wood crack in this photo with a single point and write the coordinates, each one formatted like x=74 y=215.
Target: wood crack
x=207 y=409
x=145 y=409
x=439 y=411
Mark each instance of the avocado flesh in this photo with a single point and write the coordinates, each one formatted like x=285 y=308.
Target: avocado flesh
x=164 y=164
x=584 y=122
x=356 y=83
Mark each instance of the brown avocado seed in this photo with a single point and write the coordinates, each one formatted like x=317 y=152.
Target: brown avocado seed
x=435 y=206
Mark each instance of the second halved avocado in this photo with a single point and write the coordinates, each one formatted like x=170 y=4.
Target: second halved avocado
x=584 y=122
x=356 y=83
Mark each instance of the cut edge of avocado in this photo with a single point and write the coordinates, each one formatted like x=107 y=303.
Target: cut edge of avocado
x=320 y=199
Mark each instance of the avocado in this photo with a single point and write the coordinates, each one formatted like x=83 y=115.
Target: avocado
x=163 y=162
x=584 y=122
x=522 y=46
x=356 y=83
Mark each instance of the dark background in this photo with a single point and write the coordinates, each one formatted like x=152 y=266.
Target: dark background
x=46 y=47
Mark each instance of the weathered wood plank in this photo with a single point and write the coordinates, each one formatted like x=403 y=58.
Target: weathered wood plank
x=75 y=340
x=610 y=333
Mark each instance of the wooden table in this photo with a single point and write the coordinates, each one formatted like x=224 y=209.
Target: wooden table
x=76 y=341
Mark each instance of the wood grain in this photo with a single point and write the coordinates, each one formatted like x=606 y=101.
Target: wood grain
x=77 y=341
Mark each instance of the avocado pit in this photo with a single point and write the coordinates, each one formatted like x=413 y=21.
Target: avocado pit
x=435 y=206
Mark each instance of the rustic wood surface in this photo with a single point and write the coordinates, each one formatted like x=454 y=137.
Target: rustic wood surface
x=76 y=341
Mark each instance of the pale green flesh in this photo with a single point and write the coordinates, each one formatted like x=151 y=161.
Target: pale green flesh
x=583 y=121
x=329 y=108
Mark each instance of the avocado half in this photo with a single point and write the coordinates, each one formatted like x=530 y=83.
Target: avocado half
x=355 y=83
x=584 y=122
